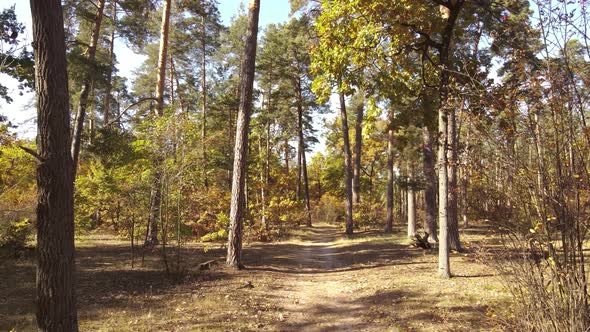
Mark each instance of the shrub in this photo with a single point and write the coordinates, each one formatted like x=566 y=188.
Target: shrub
x=14 y=234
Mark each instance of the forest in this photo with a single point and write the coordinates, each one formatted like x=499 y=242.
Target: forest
x=401 y=165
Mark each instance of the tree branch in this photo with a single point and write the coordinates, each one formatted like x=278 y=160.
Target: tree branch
x=32 y=153
x=129 y=107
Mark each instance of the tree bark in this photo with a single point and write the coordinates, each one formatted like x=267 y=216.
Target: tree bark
x=447 y=35
x=430 y=190
x=411 y=205
x=154 y=215
x=234 y=246
x=302 y=178
x=162 y=56
x=390 y=182
x=347 y=166
x=204 y=87
x=358 y=141
x=56 y=298
x=86 y=87
x=453 y=190
x=109 y=88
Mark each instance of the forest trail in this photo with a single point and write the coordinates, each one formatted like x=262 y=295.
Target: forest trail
x=319 y=280
x=319 y=296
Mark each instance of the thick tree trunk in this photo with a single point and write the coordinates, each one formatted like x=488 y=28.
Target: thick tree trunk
x=154 y=216
x=56 y=298
x=86 y=87
x=234 y=246
x=390 y=182
x=109 y=88
x=347 y=166
x=358 y=141
x=430 y=190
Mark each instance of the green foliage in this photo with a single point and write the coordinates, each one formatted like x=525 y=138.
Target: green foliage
x=15 y=234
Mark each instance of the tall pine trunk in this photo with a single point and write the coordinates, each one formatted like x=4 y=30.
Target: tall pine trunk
x=454 y=242
x=358 y=141
x=109 y=88
x=204 y=86
x=154 y=216
x=86 y=86
x=411 y=204
x=347 y=166
x=234 y=246
x=56 y=298
x=444 y=268
x=303 y=178
x=390 y=182
x=430 y=183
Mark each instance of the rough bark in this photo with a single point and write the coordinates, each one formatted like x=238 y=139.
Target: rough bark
x=86 y=86
x=390 y=183
x=358 y=142
x=444 y=269
x=56 y=298
x=109 y=88
x=430 y=190
x=234 y=246
x=347 y=166
x=154 y=215
x=162 y=57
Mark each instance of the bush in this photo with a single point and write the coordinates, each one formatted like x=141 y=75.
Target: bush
x=550 y=293
x=330 y=209
x=14 y=234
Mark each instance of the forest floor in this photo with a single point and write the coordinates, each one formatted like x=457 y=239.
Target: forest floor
x=316 y=281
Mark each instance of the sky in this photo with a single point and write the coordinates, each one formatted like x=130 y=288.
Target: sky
x=21 y=112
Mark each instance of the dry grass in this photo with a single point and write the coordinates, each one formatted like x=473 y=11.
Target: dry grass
x=318 y=280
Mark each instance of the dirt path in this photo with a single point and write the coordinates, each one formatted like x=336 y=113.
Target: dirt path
x=317 y=281
x=319 y=296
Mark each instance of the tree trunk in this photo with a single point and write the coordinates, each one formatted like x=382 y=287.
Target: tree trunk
x=234 y=246
x=453 y=190
x=443 y=248
x=162 y=56
x=262 y=183
x=107 y=97
x=154 y=216
x=430 y=190
x=56 y=298
x=347 y=166
x=303 y=178
x=411 y=205
x=358 y=141
x=390 y=182
x=204 y=86
x=86 y=87
x=287 y=155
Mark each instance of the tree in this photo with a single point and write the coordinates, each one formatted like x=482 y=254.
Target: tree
x=86 y=85
x=18 y=66
x=234 y=246
x=56 y=298
x=154 y=216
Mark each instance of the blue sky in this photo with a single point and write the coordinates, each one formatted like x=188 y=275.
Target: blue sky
x=21 y=112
